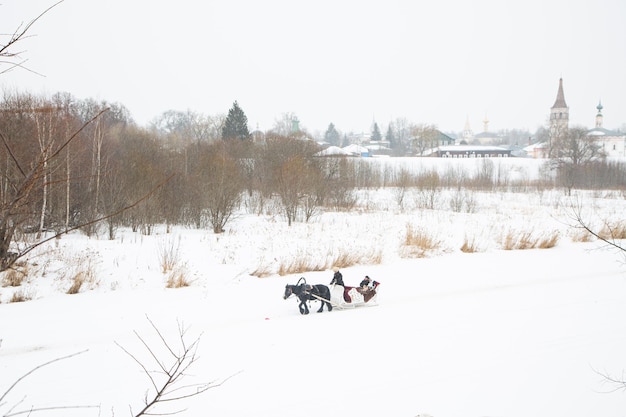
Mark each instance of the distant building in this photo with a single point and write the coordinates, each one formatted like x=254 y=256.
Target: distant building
x=612 y=143
x=559 y=122
x=559 y=114
x=537 y=150
x=486 y=137
x=467 y=135
x=472 y=151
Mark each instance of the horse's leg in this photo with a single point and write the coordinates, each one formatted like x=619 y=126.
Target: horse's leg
x=303 y=308
x=319 y=310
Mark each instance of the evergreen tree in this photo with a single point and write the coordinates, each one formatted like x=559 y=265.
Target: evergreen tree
x=236 y=124
x=332 y=136
x=376 y=136
x=389 y=137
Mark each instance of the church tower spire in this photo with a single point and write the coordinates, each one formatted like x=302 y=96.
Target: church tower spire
x=599 y=116
x=559 y=114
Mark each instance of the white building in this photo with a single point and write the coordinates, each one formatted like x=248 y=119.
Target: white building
x=612 y=143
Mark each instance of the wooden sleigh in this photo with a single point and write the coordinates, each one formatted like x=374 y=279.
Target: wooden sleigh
x=350 y=297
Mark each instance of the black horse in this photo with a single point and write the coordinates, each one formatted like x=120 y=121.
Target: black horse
x=306 y=293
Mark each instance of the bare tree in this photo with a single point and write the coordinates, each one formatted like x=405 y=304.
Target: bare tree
x=165 y=376
x=423 y=137
x=572 y=151
x=222 y=186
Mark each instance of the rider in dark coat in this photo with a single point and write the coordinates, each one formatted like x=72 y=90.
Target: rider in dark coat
x=365 y=284
x=337 y=278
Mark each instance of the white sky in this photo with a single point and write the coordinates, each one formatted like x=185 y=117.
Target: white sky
x=345 y=62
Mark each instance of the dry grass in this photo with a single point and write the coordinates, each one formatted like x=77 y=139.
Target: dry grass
x=470 y=246
x=262 y=271
x=418 y=243
x=299 y=265
x=522 y=240
x=582 y=236
x=346 y=259
x=77 y=283
x=613 y=231
x=20 y=296
x=13 y=278
x=177 y=279
x=168 y=253
x=82 y=275
x=549 y=240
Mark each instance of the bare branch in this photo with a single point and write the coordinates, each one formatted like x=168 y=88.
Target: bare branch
x=97 y=220
x=166 y=389
x=576 y=215
x=20 y=34
x=32 y=409
x=619 y=384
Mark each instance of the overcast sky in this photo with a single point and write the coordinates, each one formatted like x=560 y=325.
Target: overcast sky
x=347 y=62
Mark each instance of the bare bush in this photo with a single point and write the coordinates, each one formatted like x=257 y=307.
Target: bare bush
x=428 y=190
x=165 y=378
x=463 y=201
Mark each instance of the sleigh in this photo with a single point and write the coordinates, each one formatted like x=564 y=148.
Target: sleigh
x=350 y=297
x=336 y=296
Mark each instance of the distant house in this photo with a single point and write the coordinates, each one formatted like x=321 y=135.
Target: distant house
x=471 y=151
x=357 y=150
x=613 y=144
x=443 y=139
x=537 y=150
x=333 y=151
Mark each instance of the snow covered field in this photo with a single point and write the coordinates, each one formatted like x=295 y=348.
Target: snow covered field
x=492 y=333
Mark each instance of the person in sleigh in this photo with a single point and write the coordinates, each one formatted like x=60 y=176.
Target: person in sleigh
x=367 y=288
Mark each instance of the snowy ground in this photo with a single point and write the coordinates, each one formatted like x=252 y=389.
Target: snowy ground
x=492 y=333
